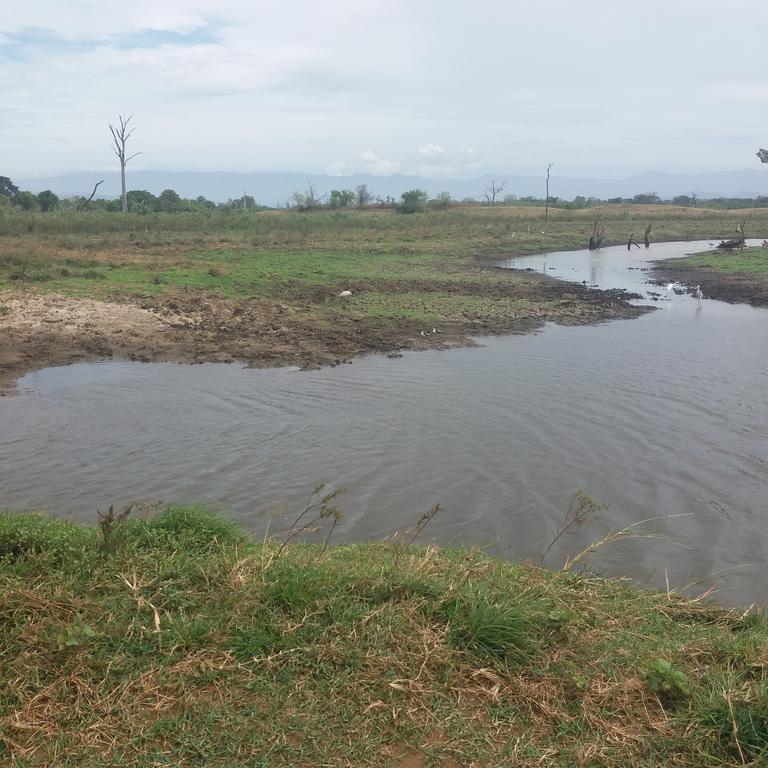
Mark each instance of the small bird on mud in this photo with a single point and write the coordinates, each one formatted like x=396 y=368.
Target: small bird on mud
x=345 y=294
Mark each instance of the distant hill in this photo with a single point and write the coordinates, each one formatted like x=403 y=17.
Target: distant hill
x=276 y=188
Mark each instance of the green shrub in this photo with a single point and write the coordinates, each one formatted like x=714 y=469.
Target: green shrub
x=61 y=541
x=487 y=627
x=190 y=528
x=669 y=684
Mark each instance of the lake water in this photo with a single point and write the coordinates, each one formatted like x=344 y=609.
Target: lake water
x=662 y=416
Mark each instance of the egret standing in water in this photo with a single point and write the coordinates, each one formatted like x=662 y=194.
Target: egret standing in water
x=699 y=294
x=670 y=288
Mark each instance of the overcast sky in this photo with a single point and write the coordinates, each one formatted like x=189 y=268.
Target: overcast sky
x=434 y=87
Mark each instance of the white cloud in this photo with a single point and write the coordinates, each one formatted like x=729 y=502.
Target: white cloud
x=431 y=152
x=372 y=163
x=301 y=87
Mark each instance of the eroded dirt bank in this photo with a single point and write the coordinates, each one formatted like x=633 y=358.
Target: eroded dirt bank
x=43 y=329
x=733 y=287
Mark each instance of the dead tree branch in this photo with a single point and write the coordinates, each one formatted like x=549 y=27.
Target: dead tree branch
x=492 y=190
x=86 y=203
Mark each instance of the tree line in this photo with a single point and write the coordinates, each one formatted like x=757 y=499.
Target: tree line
x=411 y=201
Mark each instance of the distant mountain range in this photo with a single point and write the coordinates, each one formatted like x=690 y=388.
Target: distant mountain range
x=277 y=188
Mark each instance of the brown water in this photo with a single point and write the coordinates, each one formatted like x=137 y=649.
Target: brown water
x=659 y=416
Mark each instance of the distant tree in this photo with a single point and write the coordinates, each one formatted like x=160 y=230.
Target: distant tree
x=646 y=198
x=341 y=198
x=441 y=201
x=309 y=200
x=47 y=200
x=493 y=189
x=363 y=195
x=168 y=201
x=681 y=200
x=412 y=201
x=615 y=200
x=120 y=136
x=26 y=201
x=141 y=201
x=204 y=202
x=7 y=187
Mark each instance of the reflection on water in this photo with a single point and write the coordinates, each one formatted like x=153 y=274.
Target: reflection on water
x=662 y=415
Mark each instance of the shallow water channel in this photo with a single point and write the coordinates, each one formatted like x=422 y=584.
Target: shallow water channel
x=661 y=416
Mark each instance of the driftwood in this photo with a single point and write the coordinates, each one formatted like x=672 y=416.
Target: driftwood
x=596 y=238
x=647 y=234
x=632 y=242
x=85 y=204
x=732 y=244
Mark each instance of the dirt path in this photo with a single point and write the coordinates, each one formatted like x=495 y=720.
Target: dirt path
x=40 y=330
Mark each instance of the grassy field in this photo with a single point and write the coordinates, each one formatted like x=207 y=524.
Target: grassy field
x=750 y=261
x=178 y=641
x=263 y=287
x=282 y=256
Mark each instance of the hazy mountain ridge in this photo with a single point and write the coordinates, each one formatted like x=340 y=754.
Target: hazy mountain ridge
x=272 y=188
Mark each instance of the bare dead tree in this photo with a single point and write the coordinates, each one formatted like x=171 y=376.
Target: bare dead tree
x=632 y=242
x=309 y=200
x=492 y=190
x=120 y=136
x=740 y=230
x=86 y=203
x=647 y=236
x=694 y=199
x=546 y=205
x=596 y=238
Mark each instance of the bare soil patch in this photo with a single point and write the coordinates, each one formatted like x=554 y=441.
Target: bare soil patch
x=39 y=330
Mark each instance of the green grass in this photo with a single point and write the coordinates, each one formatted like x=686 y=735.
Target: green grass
x=750 y=261
x=422 y=267
x=185 y=643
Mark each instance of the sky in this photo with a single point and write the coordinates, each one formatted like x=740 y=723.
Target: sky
x=442 y=89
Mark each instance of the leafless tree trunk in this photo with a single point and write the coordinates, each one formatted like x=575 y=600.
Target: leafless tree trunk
x=694 y=198
x=492 y=190
x=120 y=136
x=85 y=204
x=546 y=205
x=596 y=238
x=647 y=235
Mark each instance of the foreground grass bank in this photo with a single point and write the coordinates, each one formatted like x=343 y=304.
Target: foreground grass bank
x=177 y=641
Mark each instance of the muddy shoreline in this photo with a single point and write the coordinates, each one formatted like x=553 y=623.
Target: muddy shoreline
x=39 y=330
x=732 y=287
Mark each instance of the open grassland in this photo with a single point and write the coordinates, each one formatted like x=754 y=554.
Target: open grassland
x=263 y=286
x=178 y=641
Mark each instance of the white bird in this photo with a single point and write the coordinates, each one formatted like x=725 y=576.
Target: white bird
x=434 y=330
x=699 y=294
x=670 y=288
x=345 y=294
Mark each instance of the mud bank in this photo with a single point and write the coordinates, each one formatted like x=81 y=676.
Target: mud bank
x=38 y=330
